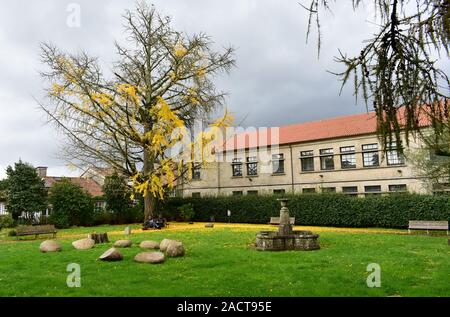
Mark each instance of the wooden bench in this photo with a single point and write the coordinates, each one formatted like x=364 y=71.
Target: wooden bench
x=427 y=225
x=35 y=230
x=276 y=220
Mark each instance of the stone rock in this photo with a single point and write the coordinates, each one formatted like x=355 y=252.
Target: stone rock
x=150 y=257
x=123 y=243
x=209 y=225
x=50 y=246
x=164 y=244
x=175 y=249
x=84 y=244
x=111 y=255
x=127 y=231
x=149 y=245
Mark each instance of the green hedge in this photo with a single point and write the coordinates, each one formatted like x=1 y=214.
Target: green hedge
x=337 y=210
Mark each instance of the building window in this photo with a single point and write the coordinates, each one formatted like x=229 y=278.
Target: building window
x=237 y=167
x=326 y=159
x=328 y=189
x=370 y=155
x=238 y=193
x=252 y=166
x=307 y=161
x=252 y=192
x=196 y=172
x=372 y=190
x=441 y=188
x=278 y=163
x=308 y=190
x=394 y=156
x=398 y=188
x=279 y=191
x=99 y=205
x=196 y=195
x=2 y=209
x=348 y=157
x=350 y=190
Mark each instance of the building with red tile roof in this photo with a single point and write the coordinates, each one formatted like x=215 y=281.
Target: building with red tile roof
x=340 y=154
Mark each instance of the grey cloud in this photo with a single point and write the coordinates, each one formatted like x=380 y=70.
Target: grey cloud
x=278 y=79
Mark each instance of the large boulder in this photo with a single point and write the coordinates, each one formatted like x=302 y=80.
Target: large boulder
x=111 y=255
x=149 y=245
x=123 y=243
x=209 y=225
x=84 y=244
x=175 y=249
x=50 y=246
x=150 y=257
x=164 y=244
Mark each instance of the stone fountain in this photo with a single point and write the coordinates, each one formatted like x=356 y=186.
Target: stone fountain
x=286 y=238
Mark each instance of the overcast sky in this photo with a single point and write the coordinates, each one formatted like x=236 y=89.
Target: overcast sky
x=278 y=79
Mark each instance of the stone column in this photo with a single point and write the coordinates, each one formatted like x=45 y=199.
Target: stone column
x=285 y=227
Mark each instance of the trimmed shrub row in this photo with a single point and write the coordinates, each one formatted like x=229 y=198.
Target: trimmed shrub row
x=337 y=210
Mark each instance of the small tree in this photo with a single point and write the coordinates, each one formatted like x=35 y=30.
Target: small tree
x=72 y=206
x=26 y=191
x=117 y=195
x=432 y=161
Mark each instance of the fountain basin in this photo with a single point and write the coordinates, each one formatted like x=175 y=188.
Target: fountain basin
x=296 y=241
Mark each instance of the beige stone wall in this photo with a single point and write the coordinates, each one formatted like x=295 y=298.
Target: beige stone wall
x=220 y=180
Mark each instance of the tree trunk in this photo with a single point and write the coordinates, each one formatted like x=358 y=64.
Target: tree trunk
x=149 y=200
x=99 y=237
x=149 y=207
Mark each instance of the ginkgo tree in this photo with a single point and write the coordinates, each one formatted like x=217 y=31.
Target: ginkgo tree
x=133 y=118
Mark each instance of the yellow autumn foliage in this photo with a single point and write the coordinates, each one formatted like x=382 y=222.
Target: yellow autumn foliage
x=179 y=50
x=128 y=92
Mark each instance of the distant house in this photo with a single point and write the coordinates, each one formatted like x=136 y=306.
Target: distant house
x=91 y=185
x=97 y=174
x=91 y=181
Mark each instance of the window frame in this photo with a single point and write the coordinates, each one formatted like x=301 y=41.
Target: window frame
x=279 y=159
x=368 y=149
x=405 y=190
x=252 y=161
x=279 y=192
x=325 y=154
x=344 y=152
x=307 y=156
x=329 y=190
x=392 y=153
x=237 y=163
x=370 y=192
x=196 y=173
x=354 y=192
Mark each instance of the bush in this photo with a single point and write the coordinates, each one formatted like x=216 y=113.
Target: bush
x=337 y=210
x=6 y=221
x=103 y=217
x=72 y=206
x=186 y=212
x=134 y=214
x=12 y=233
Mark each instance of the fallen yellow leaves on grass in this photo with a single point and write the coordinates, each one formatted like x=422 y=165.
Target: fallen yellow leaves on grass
x=200 y=226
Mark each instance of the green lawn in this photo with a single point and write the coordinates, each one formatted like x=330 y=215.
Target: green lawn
x=222 y=262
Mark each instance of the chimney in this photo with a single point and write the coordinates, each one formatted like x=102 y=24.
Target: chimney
x=42 y=171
